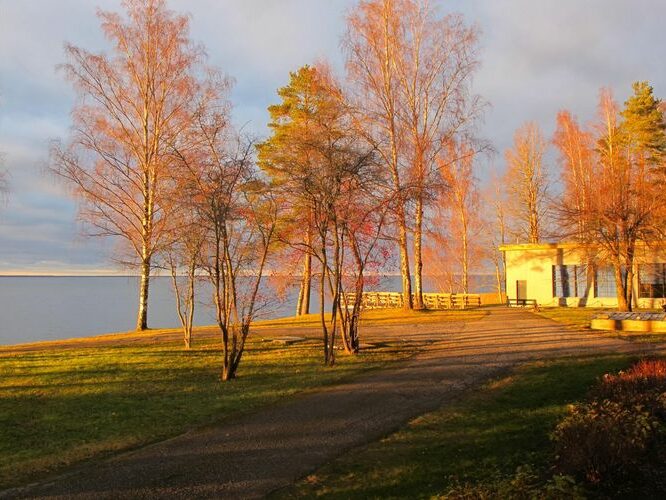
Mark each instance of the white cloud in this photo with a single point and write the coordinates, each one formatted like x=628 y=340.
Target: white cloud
x=537 y=57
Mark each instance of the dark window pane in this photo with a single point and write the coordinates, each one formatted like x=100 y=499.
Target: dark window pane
x=604 y=283
x=652 y=281
x=581 y=281
x=569 y=281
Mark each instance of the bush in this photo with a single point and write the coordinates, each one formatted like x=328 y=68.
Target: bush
x=615 y=440
x=526 y=484
x=644 y=384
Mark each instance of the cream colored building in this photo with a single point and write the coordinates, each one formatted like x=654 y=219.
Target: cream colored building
x=555 y=274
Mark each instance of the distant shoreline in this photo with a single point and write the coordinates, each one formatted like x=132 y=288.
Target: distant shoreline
x=111 y=275
x=75 y=276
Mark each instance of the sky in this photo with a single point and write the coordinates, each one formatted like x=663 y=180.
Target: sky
x=537 y=57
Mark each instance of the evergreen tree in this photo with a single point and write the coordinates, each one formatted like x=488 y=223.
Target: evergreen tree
x=290 y=155
x=643 y=126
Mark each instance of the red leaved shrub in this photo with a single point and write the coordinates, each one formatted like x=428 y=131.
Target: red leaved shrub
x=617 y=437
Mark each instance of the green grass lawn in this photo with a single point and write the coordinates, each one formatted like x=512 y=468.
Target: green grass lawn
x=578 y=317
x=478 y=442
x=374 y=317
x=59 y=406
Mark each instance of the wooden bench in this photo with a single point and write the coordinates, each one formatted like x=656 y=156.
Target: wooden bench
x=522 y=303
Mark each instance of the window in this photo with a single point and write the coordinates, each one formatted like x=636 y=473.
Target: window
x=652 y=281
x=569 y=281
x=604 y=282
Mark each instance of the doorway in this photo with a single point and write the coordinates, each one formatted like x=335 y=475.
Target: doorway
x=521 y=292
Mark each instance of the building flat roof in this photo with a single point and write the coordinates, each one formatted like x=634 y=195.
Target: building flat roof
x=538 y=246
x=565 y=245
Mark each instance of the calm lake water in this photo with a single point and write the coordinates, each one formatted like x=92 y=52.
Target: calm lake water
x=50 y=308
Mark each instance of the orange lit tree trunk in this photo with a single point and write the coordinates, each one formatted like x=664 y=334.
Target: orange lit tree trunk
x=578 y=173
x=418 y=253
x=387 y=64
x=303 y=304
x=413 y=69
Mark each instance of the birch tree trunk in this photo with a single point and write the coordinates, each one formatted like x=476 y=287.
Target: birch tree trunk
x=303 y=306
x=404 y=264
x=465 y=253
x=142 y=315
x=498 y=279
x=418 y=255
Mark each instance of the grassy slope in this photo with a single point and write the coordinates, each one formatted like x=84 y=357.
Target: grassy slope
x=61 y=406
x=62 y=402
x=480 y=440
x=580 y=317
x=375 y=317
x=285 y=325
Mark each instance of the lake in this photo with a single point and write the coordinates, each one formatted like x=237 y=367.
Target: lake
x=37 y=308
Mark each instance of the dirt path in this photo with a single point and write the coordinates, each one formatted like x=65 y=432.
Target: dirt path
x=251 y=457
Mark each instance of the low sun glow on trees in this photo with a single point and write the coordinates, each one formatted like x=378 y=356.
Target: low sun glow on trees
x=131 y=105
x=526 y=181
x=455 y=243
x=155 y=162
x=356 y=173
x=287 y=157
x=409 y=71
x=613 y=182
x=332 y=184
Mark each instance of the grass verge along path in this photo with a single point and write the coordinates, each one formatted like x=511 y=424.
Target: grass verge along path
x=577 y=317
x=478 y=442
x=378 y=317
x=59 y=406
x=580 y=318
x=307 y=325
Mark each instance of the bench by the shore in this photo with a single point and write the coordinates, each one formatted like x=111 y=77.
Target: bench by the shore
x=385 y=300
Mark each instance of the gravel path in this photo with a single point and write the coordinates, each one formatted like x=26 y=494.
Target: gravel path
x=252 y=456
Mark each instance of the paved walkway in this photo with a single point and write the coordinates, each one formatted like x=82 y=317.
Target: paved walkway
x=252 y=456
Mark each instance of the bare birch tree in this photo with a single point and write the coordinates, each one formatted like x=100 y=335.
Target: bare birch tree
x=496 y=222
x=435 y=62
x=578 y=171
x=454 y=247
x=238 y=216
x=131 y=105
x=526 y=182
x=464 y=206
x=182 y=258
x=372 y=29
x=412 y=69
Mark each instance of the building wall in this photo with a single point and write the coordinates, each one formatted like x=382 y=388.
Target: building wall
x=534 y=264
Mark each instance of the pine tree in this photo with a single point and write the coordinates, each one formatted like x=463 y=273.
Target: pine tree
x=643 y=126
x=289 y=156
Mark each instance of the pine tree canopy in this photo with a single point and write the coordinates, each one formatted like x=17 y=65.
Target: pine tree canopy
x=644 y=124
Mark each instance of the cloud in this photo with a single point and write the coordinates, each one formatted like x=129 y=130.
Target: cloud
x=537 y=57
